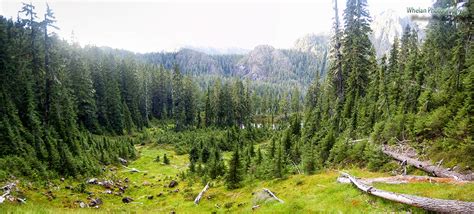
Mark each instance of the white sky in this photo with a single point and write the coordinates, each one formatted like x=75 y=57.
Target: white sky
x=145 y=26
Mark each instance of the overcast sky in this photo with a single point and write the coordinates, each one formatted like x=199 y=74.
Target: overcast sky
x=145 y=26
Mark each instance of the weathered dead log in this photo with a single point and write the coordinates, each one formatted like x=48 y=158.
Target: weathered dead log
x=273 y=195
x=437 y=171
x=198 y=198
x=431 y=204
x=133 y=170
x=403 y=180
x=7 y=190
x=2 y=197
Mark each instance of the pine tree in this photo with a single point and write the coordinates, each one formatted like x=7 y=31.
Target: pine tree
x=357 y=57
x=83 y=91
x=309 y=159
x=166 y=160
x=278 y=164
x=234 y=177
x=208 y=112
x=178 y=99
x=48 y=21
x=216 y=164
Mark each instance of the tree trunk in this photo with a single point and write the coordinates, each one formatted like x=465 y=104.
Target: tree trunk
x=198 y=198
x=427 y=167
x=273 y=195
x=430 y=204
x=399 y=179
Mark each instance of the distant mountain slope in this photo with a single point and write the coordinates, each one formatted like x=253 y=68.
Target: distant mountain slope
x=264 y=64
x=218 y=51
x=388 y=24
x=314 y=43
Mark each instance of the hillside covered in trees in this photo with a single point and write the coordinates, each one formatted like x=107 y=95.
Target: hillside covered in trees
x=70 y=113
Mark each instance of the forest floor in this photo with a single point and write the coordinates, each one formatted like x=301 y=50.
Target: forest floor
x=300 y=193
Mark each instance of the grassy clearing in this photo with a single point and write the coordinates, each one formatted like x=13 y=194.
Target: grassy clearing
x=301 y=193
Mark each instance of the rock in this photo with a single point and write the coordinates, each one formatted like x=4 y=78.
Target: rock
x=49 y=195
x=173 y=183
x=241 y=204
x=82 y=205
x=126 y=180
x=172 y=212
x=127 y=200
x=255 y=207
x=62 y=179
x=146 y=183
x=68 y=187
x=95 y=202
x=108 y=184
x=92 y=181
x=159 y=194
x=176 y=190
x=150 y=197
x=108 y=191
x=123 y=161
x=122 y=189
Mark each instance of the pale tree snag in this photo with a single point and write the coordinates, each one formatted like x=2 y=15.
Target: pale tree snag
x=198 y=198
x=430 y=204
x=272 y=195
x=437 y=171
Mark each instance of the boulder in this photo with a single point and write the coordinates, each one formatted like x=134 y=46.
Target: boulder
x=95 y=202
x=108 y=184
x=127 y=200
x=123 y=161
x=92 y=181
x=82 y=205
x=173 y=183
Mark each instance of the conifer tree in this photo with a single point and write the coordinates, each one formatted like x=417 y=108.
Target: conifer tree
x=166 y=160
x=234 y=176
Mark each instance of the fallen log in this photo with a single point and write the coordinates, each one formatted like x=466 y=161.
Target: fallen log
x=430 y=204
x=412 y=179
x=7 y=190
x=399 y=179
x=133 y=170
x=436 y=171
x=273 y=195
x=198 y=198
